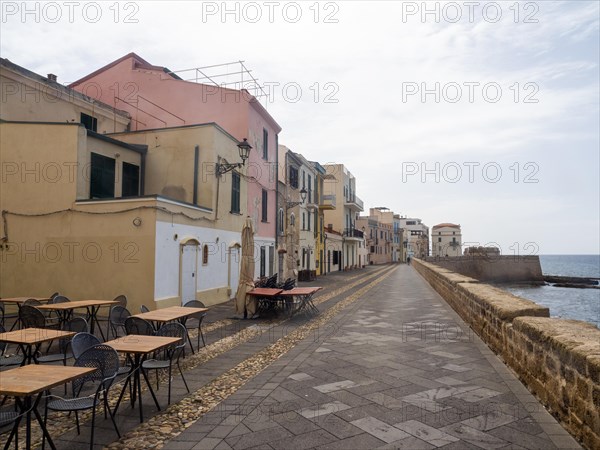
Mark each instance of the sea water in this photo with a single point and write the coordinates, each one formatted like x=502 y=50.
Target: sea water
x=566 y=303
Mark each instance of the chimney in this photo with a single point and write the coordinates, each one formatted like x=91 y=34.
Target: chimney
x=51 y=77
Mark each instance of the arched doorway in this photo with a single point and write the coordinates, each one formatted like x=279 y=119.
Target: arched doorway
x=188 y=269
x=233 y=272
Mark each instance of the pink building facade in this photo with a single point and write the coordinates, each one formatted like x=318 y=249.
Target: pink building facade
x=157 y=98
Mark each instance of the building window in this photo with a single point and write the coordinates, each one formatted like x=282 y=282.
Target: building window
x=235 y=192
x=294 y=177
x=205 y=255
x=308 y=220
x=280 y=220
x=292 y=219
x=265 y=202
x=130 y=186
x=263 y=256
x=102 y=179
x=439 y=239
x=303 y=221
x=271 y=260
x=265 y=144
x=89 y=122
x=309 y=195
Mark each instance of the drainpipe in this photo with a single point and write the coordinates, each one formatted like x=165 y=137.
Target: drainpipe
x=143 y=173
x=196 y=163
x=277 y=198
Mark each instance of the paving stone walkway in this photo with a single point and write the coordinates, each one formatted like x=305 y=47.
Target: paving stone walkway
x=395 y=369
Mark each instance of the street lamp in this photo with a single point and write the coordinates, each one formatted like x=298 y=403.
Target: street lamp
x=302 y=196
x=244 y=150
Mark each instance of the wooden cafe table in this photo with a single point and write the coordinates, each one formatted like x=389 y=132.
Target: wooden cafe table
x=21 y=300
x=30 y=340
x=92 y=306
x=304 y=295
x=171 y=314
x=139 y=347
x=25 y=382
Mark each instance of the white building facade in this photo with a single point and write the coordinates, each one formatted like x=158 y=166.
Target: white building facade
x=446 y=240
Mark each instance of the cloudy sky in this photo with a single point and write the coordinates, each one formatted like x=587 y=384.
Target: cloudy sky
x=484 y=114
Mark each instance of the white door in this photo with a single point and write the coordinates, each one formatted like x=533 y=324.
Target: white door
x=234 y=269
x=189 y=274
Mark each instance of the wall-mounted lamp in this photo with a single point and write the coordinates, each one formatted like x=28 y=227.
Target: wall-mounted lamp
x=244 y=149
x=302 y=196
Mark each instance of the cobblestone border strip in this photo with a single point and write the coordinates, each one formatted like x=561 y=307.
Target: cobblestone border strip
x=184 y=414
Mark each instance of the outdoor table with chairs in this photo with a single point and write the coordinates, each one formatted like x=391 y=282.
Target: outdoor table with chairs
x=92 y=306
x=267 y=298
x=303 y=295
x=27 y=384
x=171 y=314
x=17 y=301
x=294 y=301
x=29 y=340
x=140 y=346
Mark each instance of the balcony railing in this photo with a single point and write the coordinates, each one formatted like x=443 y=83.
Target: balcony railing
x=354 y=202
x=327 y=201
x=353 y=233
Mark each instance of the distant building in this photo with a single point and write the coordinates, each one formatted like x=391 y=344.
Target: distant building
x=342 y=220
x=482 y=251
x=381 y=235
x=415 y=237
x=446 y=240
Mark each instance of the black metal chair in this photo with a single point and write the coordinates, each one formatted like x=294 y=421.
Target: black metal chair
x=82 y=341
x=50 y=320
x=118 y=315
x=12 y=360
x=164 y=359
x=77 y=325
x=13 y=417
x=106 y=362
x=31 y=317
x=137 y=325
x=199 y=317
x=55 y=315
x=122 y=299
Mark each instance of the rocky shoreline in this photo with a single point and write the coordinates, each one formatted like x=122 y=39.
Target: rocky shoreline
x=572 y=282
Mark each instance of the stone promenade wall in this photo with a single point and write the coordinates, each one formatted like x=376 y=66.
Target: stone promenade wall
x=493 y=268
x=558 y=360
